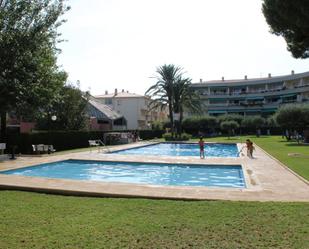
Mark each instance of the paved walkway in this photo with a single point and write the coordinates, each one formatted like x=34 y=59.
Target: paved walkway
x=266 y=179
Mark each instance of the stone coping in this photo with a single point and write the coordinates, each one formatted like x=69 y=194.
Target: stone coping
x=266 y=179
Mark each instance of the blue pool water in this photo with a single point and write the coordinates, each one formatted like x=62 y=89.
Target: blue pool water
x=141 y=173
x=184 y=149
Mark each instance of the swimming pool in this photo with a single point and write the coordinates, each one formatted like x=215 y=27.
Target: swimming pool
x=183 y=149
x=140 y=173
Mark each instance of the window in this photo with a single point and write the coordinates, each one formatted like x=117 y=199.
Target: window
x=118 y=102
x=108 y=101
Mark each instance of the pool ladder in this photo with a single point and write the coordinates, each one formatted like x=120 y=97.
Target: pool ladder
x=99 y=144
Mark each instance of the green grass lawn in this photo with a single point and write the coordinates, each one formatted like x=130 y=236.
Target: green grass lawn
x=30 y=220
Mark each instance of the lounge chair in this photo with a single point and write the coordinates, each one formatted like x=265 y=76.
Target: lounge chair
x=2 y=148
x=51 y=148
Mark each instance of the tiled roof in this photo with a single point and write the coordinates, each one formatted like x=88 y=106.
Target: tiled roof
x=101 y=111
x=119 y=95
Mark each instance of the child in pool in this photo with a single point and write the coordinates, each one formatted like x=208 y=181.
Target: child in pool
x=201 y=144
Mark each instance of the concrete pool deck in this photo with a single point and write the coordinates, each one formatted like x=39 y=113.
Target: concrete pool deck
x=266 y=179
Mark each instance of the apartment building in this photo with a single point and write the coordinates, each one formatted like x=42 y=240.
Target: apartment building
x=262 y=96
x=134 y=107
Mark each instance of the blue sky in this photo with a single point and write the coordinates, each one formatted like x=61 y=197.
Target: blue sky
x=119 y=43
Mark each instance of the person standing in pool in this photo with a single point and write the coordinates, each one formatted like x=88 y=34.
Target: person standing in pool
x=201 y=144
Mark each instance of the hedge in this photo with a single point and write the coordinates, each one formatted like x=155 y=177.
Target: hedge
x=65 y=140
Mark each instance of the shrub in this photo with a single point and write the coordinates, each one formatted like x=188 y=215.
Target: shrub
x=66 y=140
x=231 y=117
x=229 y=126
x=253 y=122
x=293 y=116
x=182 y=137
x=207 y=122
x=195 y=124
x=191 y=124
x=157 y=126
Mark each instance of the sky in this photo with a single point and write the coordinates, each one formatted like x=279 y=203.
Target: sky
x=120 y=43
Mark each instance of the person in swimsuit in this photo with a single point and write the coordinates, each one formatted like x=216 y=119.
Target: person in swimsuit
x=201 y=144
x=250 y=148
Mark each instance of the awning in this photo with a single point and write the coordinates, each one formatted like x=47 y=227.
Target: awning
x=255 y=98
x=288 y=95
x=214 y=112
x=252 y=110
x=269 y=110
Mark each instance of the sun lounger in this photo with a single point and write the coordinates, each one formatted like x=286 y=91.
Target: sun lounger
x=2 y=148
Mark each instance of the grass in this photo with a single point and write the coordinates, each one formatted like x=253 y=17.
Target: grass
x=30 y=220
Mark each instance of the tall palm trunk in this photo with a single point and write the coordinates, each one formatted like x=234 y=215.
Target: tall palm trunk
x=170 y=108
x=180 y=121
x=3 y=126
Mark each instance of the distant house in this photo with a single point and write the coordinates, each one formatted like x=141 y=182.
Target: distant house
x=15 y=124
x=103 y=117
x=134 y=108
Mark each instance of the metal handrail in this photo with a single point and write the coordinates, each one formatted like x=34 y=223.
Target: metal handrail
x=103 y=144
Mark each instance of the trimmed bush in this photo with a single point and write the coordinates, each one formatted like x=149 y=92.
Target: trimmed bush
x=182 y=137
x=229 y=126
x=194 y=125
x=66 y=140
x=231 y=117
x=253 y=122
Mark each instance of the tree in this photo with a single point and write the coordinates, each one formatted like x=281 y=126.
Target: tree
x=294 y=117
x=29 y=76
x=185 y=99
x=290 y=19
x=229 y=126
x=163 y=91
x=231 y=117
x=255 y=122
x=70 y=109
x=198 y=124
x=207 y=123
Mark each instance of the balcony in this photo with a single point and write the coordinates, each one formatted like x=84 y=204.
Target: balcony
x=272 y=92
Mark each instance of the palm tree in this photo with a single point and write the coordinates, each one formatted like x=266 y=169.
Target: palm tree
x=185 y=98
x=162 y=93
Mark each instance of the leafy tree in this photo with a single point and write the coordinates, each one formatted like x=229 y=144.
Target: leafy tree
x=290 y=19
x=198 y=124
x=163 y=91
x=253 y=122
x=157 y=125
x=231 y=117
x=229 y=126
x=29 y=76
x=70 y=109
x=294 y=117
x=271 y=121
x=207 y=123
x=191 y=124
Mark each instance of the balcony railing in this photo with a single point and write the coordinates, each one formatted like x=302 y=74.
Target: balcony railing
x=274 y=91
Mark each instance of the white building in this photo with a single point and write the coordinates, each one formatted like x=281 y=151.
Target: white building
x=262 y=96
x=134 y=108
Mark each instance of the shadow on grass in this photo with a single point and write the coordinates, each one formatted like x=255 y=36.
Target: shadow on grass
x=295 y=144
